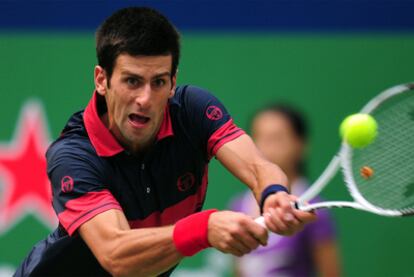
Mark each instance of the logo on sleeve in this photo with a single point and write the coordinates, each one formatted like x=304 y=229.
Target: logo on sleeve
x=185 y=182
x=214 y=113
x=67 y=184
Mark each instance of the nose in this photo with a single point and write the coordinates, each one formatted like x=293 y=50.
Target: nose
x=143 y=98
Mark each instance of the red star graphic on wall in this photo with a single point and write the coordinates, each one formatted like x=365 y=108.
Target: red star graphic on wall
x=24 y=185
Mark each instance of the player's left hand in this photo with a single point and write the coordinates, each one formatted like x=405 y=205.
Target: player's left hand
x=281 y=217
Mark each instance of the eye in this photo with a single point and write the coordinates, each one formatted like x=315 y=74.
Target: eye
x=159 y=82
x=132 y=82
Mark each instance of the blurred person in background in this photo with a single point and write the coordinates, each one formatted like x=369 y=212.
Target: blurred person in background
x=281 y=133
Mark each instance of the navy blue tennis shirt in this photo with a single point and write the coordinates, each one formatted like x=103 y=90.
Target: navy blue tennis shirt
x=91 y=172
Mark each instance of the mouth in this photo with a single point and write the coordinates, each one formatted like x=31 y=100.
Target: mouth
x=138 y=120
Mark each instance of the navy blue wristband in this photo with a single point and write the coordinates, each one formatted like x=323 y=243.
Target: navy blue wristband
x=272 y=189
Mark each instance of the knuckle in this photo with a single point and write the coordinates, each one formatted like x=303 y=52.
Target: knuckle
x=234 y=230
x=222 y=246
x=285 y=204
x=264 y=233
x=227 y=248
x=227 y=240
x=274 y=229
x=243 y=221
x=250 y=244
x=254 y=245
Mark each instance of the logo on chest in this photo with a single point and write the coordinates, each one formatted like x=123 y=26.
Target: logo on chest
x=185 y=181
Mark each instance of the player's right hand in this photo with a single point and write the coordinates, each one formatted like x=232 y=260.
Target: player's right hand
x=235 y=233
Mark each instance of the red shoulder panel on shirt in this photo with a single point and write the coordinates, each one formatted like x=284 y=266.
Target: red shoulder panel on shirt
x=228 y=132
x=81 y=209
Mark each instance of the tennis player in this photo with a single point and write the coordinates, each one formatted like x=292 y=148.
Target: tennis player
x=129 y=173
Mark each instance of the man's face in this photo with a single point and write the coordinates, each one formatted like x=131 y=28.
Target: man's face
x=136 y=97
x=276 y=139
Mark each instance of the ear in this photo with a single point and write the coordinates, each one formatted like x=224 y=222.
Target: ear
x=173 y=85
x=100 y=80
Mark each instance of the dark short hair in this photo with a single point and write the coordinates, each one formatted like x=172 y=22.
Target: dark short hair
x=136 y=31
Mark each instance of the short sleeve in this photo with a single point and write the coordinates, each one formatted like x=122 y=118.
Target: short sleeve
x=209 y=119
x=79 y=191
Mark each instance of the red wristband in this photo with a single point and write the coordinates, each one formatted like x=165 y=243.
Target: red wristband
x=191 y=233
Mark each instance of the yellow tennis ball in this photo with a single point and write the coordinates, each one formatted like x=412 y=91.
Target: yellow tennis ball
x=358 y=130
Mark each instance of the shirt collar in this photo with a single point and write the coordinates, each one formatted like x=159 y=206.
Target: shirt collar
x=102 y=139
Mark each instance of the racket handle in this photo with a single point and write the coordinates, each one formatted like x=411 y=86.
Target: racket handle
x=261 y=221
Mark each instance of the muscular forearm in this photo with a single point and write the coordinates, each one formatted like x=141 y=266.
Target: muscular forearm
x=265 y=174
x=125 y=252
x=143 y=252
x=245 y=161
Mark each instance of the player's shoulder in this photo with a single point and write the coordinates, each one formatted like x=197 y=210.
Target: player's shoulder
x=76 y=153
x=190 y=90
x=73 y=145
x=73 y=140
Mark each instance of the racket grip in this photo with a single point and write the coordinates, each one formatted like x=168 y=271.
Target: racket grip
x=261 y=221
x=295 y=205
x=303 y=208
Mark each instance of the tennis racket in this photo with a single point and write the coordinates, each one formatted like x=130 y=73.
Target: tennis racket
x=380 y=176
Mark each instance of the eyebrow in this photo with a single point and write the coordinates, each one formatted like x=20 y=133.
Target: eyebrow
x=167 y=73
x=126 y=72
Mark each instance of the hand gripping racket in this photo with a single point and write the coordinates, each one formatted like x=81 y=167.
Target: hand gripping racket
x=380 y=176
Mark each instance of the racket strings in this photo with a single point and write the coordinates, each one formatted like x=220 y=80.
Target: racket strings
x=390 y=157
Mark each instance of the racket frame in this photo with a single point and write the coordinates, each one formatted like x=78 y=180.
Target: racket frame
x=343 y=160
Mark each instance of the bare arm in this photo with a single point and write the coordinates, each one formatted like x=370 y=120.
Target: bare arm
x=244 y=160
x=125 y=252
x=151 y=251
x=325 y=255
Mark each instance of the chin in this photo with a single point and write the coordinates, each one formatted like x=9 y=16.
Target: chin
x=141 y=140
